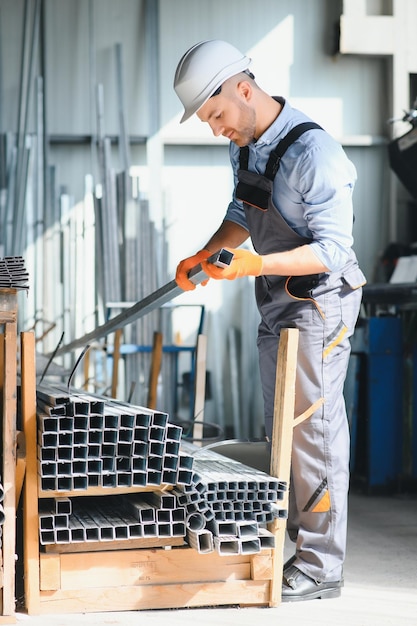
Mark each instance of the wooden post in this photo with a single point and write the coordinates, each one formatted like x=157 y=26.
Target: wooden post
x=30 y=488
x=9 y=467
x=20 y=465
x=155 y=369
x=86 y=366
x=1 y=364
x=116 y=359
x=8 y=390
x=282 y=435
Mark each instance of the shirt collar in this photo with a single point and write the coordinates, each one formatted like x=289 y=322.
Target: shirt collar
x=273 y=132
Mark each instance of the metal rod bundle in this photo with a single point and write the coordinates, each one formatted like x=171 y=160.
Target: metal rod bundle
x=231 y=501
x=109 y=518
x=13 y=273
x=87 y=441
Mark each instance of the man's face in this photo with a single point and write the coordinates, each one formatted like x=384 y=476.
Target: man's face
x=229 y=114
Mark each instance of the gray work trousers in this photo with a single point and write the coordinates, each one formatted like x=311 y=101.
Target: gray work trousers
x=319 y=484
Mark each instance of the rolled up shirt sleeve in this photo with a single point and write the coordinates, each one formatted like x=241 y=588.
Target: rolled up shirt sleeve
x=326 y=182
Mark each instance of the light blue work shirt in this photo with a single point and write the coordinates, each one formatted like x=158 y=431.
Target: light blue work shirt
x=312 y=189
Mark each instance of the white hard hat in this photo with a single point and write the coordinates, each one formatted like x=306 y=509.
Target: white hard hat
x=203 y=69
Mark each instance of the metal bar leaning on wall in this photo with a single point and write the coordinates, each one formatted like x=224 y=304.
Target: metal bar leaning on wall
x=29 y=57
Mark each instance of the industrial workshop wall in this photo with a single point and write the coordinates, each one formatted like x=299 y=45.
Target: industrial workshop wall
x=103 y=190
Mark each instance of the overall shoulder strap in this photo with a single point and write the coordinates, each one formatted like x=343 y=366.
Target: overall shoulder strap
x=244 y=158
x=276 y=155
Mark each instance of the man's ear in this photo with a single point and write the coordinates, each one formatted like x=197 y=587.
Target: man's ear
x=245 y=90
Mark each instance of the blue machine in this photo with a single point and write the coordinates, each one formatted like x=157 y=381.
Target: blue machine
x=377 y=420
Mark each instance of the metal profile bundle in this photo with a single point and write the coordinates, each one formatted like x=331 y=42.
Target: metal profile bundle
x=231 y=501
x=110 y=518
x=87 y=441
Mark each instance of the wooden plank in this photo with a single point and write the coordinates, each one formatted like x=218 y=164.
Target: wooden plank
x=127 y=544
x=20 y=465
x=309 y=412
x=97 y=491
x=9 y=467
x=50 y=572
x=148 y=596
x=282 y=443
x=155 y=369
x=200 y=388
x=86 y=370
x=136 y=567
x=1 y=362
x=262 y=567
x=8 y=305
x=30 y=487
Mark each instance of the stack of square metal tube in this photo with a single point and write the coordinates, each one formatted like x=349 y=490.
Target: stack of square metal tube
x=110 y=518
x=13 y=273
x=88 y=441
x=229 y=504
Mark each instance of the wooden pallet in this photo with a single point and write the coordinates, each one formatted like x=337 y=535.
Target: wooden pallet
x=8 y=393
x=77 y=580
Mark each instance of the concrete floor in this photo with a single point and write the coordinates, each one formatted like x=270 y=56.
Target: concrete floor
x=380 y=581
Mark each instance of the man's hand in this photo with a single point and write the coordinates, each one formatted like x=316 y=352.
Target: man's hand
x=244 y=263
x=184 y=266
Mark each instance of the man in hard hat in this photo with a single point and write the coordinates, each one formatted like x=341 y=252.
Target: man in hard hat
x=294 y=200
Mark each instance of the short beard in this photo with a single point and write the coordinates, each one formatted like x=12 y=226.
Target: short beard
x=248 y=119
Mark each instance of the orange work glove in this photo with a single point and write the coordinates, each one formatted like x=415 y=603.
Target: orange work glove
x=184 y=266
x=244 y=263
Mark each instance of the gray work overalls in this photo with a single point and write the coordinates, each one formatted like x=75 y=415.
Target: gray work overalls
x=324 y=308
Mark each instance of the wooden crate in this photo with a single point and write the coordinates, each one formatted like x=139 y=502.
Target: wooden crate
x=72 y=579
x=146 y=579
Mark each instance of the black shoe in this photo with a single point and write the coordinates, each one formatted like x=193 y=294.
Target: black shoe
x=297 y=586
x=290 y=561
